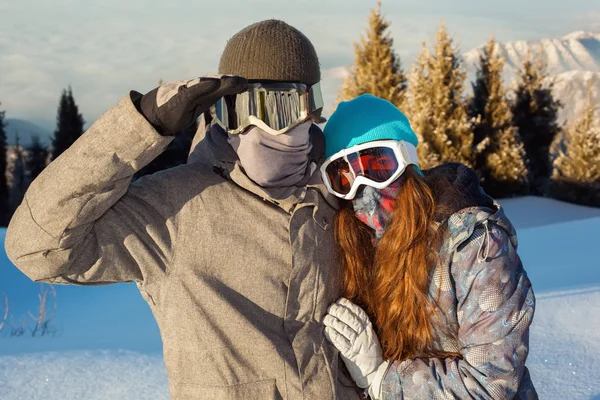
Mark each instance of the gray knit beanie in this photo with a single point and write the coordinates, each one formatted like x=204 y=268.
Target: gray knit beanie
x=271 y=50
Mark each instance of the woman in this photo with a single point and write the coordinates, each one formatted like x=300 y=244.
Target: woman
x=431 y=259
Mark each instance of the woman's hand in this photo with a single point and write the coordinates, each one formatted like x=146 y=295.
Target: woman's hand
x=349 y=329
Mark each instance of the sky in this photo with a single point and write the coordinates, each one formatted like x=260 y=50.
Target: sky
x=103 y=49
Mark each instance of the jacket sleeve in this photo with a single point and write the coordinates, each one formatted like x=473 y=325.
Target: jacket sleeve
x=81 y=222
x=495 y=306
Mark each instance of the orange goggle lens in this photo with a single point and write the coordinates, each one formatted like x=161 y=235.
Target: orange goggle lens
x=377 y=164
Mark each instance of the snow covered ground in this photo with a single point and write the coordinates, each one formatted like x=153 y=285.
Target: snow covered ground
x=565 y=344
x=109 y=345
x=83 y=375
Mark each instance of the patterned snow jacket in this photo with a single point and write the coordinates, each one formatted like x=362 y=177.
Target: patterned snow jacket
x=485 y=301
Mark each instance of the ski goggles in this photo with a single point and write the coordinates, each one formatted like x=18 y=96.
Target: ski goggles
x=376 y=164
x=274 y=107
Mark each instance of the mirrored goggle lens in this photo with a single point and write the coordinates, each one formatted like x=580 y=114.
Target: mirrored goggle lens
x=377 y=164
x=340 y=176
x=278 y=107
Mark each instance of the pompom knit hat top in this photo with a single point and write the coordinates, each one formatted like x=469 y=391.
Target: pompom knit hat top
x=271 y=50
x=365 y=119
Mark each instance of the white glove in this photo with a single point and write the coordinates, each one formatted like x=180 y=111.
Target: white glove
x=349 y=329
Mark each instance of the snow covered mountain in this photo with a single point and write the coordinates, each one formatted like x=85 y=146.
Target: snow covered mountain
x=573 y=63
x=578 y=51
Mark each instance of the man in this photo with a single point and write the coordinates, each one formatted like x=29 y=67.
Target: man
x=232 y=251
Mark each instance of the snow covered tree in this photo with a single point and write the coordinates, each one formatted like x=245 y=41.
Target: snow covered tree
x=4 y=216
x=419 y=109
x=498 y=151
x=37 y=158
x=377 y=69
x=69 y=124
x=535 y=113
x=576 y=175
x=435 y=107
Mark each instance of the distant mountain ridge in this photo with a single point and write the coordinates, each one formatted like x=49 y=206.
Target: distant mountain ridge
x=26 y=131
x=573 y=63
x=578 y=51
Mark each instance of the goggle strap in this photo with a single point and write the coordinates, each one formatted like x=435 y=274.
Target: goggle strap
x=409 y=151
x=315 y=97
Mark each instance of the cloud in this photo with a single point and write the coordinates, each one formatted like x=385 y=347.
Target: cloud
x=589 y=21
x=338 y=73
x=104 y=49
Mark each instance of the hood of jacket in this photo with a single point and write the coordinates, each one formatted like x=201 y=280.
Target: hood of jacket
x=211 y=149
x=469 y=206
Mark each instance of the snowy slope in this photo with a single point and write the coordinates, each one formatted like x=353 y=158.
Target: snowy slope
x=571 y=89
x=573 y=63
x=564 y=361
x=531 y=211
x=558 y=246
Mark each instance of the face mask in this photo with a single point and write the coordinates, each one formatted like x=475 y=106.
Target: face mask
x=375 y=207
x=274 y=161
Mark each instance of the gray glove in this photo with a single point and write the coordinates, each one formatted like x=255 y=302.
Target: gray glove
x=175 y=106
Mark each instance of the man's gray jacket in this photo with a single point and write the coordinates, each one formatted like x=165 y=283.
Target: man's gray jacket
x=239 y=283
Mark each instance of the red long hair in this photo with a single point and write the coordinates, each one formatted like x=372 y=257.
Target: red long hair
x=391 y=281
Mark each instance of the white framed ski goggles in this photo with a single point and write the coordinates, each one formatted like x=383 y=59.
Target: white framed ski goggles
x=274 y=107
x=376 y=164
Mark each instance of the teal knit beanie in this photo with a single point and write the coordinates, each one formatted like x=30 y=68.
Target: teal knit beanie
x=365 y=119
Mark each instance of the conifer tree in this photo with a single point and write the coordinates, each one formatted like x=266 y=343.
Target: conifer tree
x=535 y=113
x=69 y=124
x=419 y=111
x=19 y=178
x=37 y=158
x=377 y=69
x=435 y=106
x=4 y=196
x=498 y=152
x=576 y=175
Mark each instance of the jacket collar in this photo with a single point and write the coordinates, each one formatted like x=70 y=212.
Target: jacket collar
x=211 y=149
x=458 y=185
